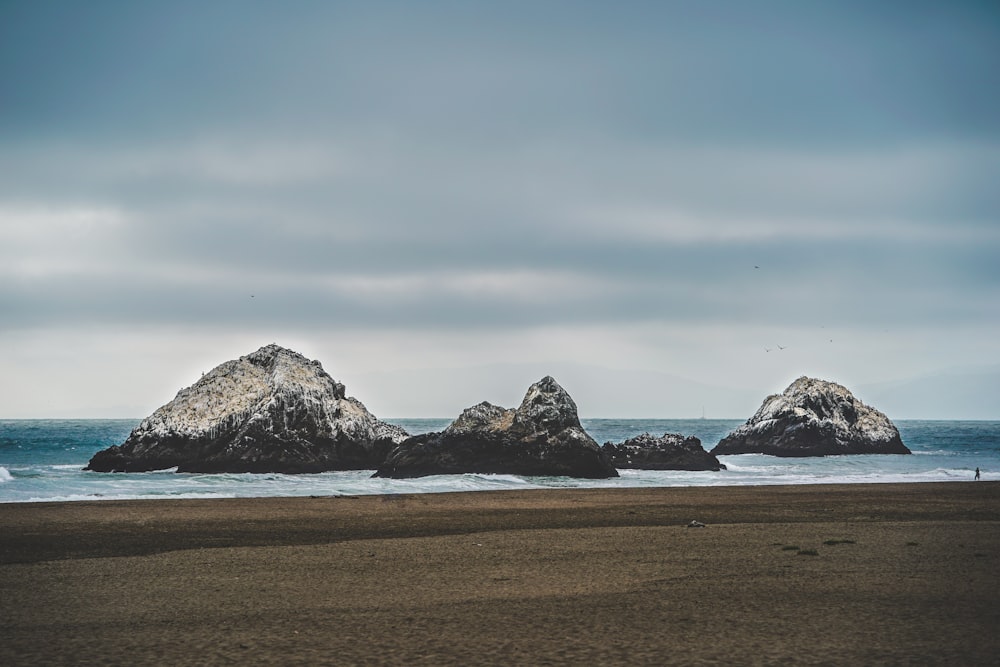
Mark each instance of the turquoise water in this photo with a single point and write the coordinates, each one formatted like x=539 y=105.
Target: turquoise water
x=43 y=460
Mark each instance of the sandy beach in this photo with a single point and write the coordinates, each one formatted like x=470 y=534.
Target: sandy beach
x=846 y=574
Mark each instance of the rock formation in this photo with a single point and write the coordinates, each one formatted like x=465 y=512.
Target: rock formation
x=270 y=411
x=814 y=418
x=671 y=451
x=541 y=437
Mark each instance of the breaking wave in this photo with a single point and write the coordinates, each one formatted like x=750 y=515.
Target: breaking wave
x=45 y=469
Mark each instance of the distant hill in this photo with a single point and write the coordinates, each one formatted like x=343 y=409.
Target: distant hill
x=957 y=394
x=604 y=392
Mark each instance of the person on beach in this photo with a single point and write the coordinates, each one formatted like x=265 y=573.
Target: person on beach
x=977 y=473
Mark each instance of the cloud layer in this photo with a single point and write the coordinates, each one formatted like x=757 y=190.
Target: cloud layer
x=483 y=184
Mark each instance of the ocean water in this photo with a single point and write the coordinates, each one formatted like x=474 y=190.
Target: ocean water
x=42 y=460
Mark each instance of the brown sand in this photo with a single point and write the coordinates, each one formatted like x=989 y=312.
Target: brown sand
x=846 y=575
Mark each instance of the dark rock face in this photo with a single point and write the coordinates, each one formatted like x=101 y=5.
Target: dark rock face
x=671 y=451
x=270 y=411
x=541 y=437
x=814 y=418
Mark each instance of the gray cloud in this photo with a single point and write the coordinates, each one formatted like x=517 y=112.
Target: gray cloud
x=461 y=171
x=784 y=73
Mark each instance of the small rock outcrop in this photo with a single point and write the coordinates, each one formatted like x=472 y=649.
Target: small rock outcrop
x=814 y=418
x=670 y=451
x=541 y=437
x=270 y=411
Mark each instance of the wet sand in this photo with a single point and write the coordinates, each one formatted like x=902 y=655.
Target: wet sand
x=838 y=574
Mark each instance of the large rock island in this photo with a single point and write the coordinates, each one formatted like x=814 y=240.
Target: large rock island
x=670 y=451
x=270 y=411
x=814 y=418
x=541 y=437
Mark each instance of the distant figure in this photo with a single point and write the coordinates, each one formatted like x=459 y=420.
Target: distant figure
x=977 y=473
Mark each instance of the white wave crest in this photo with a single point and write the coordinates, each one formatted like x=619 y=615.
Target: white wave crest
x=5 y=475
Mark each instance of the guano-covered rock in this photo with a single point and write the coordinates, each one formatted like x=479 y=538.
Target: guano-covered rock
x=541 y=437
x=814 y=418
x=269 y=411
x=671 y=451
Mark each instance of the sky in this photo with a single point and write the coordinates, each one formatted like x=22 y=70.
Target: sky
x=676 y=208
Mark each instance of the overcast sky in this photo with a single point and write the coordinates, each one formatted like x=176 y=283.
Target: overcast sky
x=427 y=194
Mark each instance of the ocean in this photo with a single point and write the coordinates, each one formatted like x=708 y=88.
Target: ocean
x=42 y=460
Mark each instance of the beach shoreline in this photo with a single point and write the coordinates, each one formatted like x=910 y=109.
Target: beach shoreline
x=810 y=574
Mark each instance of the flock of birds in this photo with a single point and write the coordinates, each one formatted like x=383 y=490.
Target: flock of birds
x=778 y=347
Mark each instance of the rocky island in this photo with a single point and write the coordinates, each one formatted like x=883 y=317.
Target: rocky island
x=814 y=418
x=541 y=437
x=269 y=411
x=671 y=451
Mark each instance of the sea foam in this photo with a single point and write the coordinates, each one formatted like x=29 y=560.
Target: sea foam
x=45 y=469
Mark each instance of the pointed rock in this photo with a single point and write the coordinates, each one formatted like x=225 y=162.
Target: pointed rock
x=814 y=418
x=269 y=411
x=671 y=451
x=541 y=437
